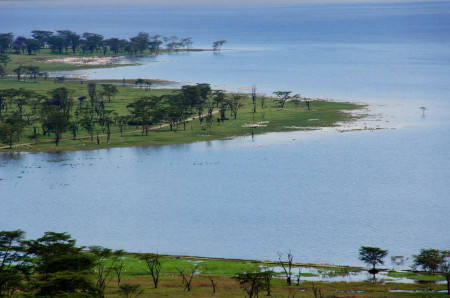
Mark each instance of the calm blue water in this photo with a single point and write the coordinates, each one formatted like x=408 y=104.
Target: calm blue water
x=320 y=194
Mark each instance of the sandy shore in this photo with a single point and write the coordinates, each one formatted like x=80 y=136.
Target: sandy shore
x=85 y=60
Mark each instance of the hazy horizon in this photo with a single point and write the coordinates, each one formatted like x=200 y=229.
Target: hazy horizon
x=195 y=3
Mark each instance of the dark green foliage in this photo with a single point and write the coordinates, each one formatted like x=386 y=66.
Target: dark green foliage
x=14 y=262
x=109 y=90
x=5 y=59
x=11 y=128
x=129 y=290
x=429 y=259
x=60 y=266
x=372 y=256
x=252 y=282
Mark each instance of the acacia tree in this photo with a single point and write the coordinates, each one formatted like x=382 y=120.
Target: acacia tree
x=5 y=59
x=252 y=282
x=106 y=263
x=372 y=256
x=187 y=277
x=154 y=264
x=14 y=262
x=429 y=259
x=282 y=97
x=11 y=128
x=235 y=103
x=109 y=91
x=18 y=71
x=55 y=121
x=60 y=266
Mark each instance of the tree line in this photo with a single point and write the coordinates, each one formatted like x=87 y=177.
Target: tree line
x=59 y=111
x=65 y=41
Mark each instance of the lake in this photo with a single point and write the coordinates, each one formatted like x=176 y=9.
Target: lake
x=320 y=194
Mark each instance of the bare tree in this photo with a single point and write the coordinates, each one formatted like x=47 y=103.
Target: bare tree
x=267 y=279
x=154 y=264
x=287 y=266
x=254 y=97
x=299 y=275
x=317 y=292
x=187 y=277
x=213 y=284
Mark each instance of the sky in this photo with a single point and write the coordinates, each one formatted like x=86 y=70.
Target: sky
x=169 y=3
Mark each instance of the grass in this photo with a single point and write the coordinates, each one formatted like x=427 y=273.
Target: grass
x=322 y=114
x=223 y=270
x=419 y=276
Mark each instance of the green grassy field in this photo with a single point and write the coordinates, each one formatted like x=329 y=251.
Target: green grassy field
x=222 y=271
x=274 y=119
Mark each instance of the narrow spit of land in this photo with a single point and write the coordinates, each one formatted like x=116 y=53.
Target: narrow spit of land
x=47 y=61
x=160 y=122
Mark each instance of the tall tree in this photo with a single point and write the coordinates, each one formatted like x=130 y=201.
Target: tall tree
x=61 y=267
x=106 y=262
x=287 y=266
x=18 y=71
x=282 y=97
x=154 y=265
x=32 y=46
x=445 y=267
x=11 y=128
x=140 y=42
x=55 y=121
x=6 y=40
x=5 y=59
x=429 y=259
x=14 y=262
x=372 y=256
x=92 y=41
x=42 y=36
x=109 y=91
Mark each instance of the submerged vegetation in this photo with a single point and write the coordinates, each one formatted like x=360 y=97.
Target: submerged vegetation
x=60 y=114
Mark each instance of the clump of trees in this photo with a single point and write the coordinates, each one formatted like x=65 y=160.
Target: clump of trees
x=88 y=43
x=430 y=260
x=58 y=112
